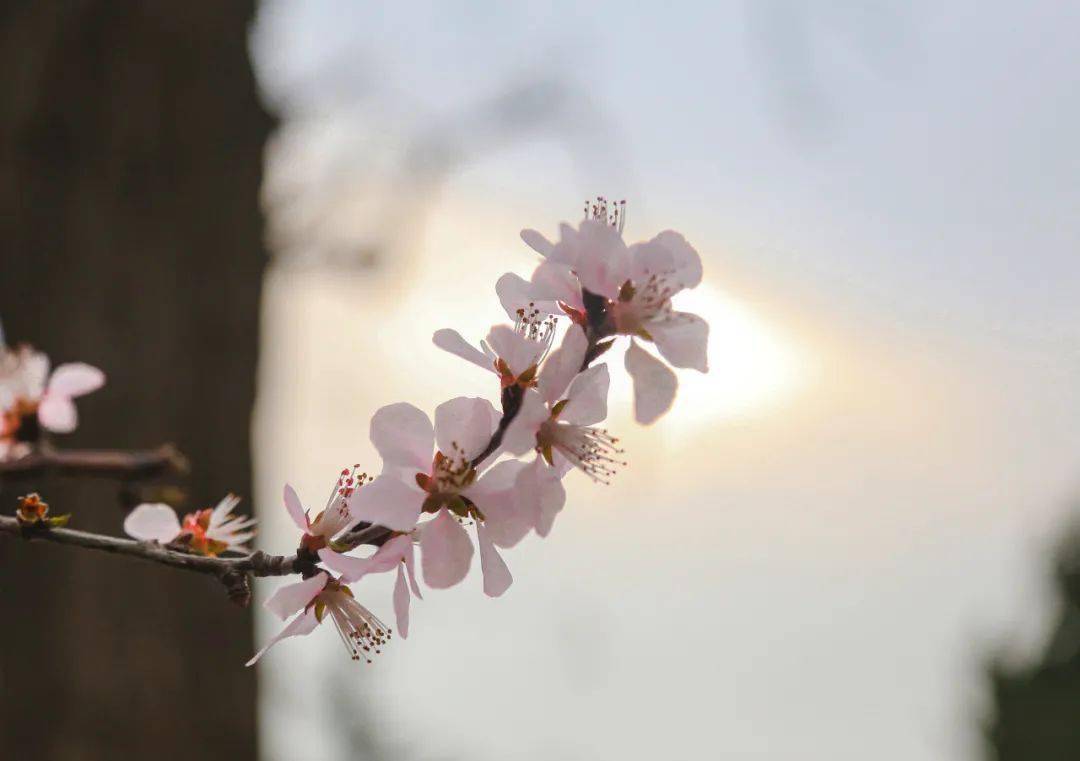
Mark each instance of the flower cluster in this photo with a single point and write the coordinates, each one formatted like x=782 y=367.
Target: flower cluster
x=500 y=471
x=32 y=400
x=205 y=532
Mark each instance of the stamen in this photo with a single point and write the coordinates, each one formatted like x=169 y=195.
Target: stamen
x=591 y=450
x=362 y=633
x=608 y=212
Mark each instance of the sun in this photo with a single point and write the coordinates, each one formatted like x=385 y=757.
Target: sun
x=753 y=369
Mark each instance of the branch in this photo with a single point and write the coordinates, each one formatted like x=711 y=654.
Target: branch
x=101 y=462
x=233 y=572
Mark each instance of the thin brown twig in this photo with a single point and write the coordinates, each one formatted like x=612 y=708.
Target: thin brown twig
x=231 y=571
x=99 y=462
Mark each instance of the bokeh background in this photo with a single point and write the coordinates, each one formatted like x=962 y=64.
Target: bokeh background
x=849 y=539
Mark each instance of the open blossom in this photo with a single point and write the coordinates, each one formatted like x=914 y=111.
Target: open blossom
x=335 y=519
x=30 y=397
x=396 y=554
x=512 y=353
x=637 y=284
x=448 y=485
x=317 y=599
x=206 y=532
x=559 y=417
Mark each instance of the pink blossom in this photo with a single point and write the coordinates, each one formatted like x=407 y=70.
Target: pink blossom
x=450 y=486
x=512 y=353
x=317 y=598
x=637 y=284
x=559 y=418
x=334 y=520
x=396 y=554
x=27 y=389
x=206 y=532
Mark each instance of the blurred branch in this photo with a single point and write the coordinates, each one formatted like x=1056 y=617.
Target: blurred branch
x=232 y=572
x=102 y=462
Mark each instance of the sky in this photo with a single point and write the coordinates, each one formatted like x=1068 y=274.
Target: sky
x=816 y=552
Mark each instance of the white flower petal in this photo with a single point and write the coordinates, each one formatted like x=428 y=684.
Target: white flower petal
x=388 y=501
x=152 y=522
x=401 y=603
x=296 y=509
x=299 y=626
x=494 y=495
x=603 y=259
x=519 y=353
x=540 y=494
x=520 y=435
x=445 y=551
x=537 y=242
x=553 y=283
x=403 y=435
x=295 y=597
x=57 y=413
x=654 y=384
x=687 y=263
x=453 y=342
x=562 y=365
x=587 y=397
x=75 y=379
x=463 y=426
x=682 y=339
x=497 y=578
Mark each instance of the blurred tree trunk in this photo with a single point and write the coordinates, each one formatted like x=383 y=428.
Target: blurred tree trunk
x=130 y=161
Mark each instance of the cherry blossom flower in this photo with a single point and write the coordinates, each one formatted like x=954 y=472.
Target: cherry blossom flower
x=205 y=532
x=512 y=353
x=559 y=418
x=29 y=395
x=317 y=598
x=397 y=553
x=337 y=517
x=449 y=485
x=637 y=284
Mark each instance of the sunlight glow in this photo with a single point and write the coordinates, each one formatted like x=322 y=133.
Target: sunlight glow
x=752 y=369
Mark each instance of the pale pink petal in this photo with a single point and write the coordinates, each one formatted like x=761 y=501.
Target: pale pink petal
x=519 y=353
x=388 y=501
x=463 y=426
x=299 y=626
x=567 y=251
x=537 y=242
x=494 y=494
x=403 y=435
x=445 y=551
x=385 y=558
x=401 y=603
x=349 y=567
x=587 y=397
x=654 y=384
x=562 y=365
x=410 y=567
x=75 y=379
x=57 y=413
x=296 y=509
x=540 y=494
x=553 y=283
x=604 y=261
x=497 y=578
x=453 y=342
x=33 y=372
x=520 y=435
x=294 y=597
x=152 y=522
x=682 y=339
x=687 y=264
x=515 y=293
